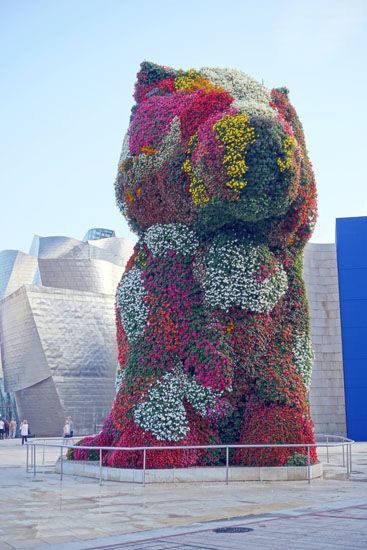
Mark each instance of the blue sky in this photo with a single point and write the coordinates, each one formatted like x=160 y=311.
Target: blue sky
x=67 y=77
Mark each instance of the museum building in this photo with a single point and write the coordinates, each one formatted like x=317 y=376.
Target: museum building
x=57 y=329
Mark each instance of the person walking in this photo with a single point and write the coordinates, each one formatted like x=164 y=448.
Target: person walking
x=66 y=431
x=71 y=423
x=12 y=428
x=2 y=428
x=24 y=429
x=6 y=429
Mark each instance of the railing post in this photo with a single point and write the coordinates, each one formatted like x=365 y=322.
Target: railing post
x=327 y=449
x=43 y=457
x=308 y=464
x=347 y=452
x=144 y=464
x=100 y=466
x=343 y=456
x=34 y=460
x=227 y=464
x=350 y=460
x=61 y=462
x=27 y=457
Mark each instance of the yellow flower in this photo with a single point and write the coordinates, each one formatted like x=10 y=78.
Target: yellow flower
x=197 y=187
x=192 y=80
x=235 y=134
x=289 y=146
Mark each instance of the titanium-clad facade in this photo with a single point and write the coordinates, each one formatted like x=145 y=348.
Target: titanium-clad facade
x=16 y=269
x=57 y=331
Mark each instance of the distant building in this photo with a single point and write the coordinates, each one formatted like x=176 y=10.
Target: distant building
x=57 y=329
x=97 y=233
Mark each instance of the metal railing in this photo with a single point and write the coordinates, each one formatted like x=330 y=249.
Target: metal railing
x=329 y=441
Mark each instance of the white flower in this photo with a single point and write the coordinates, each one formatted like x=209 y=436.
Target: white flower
x=250 y=96
x=119 y=378
x=254 y=108
x=232 y=277
x=303 y=355
x=164 y=414
x=177 y=237
x=133 y=308
x=145 y=166
x=125 y=152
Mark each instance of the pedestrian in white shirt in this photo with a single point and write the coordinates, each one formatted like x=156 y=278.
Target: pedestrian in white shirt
x=66 y=431
x=24 y=429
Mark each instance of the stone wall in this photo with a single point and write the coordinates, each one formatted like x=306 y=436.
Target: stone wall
x=327 y=385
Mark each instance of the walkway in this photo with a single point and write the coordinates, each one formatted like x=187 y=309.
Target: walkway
x=78 y=514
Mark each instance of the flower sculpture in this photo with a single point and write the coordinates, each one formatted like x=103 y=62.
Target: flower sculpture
x=212 y=316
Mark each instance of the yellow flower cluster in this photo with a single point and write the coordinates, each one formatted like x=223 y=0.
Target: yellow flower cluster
x=197 y=188
x=235 y=133
x=192 y=80
x=288 y=147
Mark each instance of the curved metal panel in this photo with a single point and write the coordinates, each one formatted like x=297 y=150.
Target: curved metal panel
x=16 y=269
x=54 y=247
x=80 y=274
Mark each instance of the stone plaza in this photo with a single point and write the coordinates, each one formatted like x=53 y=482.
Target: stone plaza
x=78 y=514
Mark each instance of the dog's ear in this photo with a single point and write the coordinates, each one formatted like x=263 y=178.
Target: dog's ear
x=149 y=76
x=283 y=90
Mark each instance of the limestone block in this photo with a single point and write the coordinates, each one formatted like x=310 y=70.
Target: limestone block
x=273 y=474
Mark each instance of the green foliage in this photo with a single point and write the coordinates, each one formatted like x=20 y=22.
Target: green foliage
x=70 y=454
x=296 y=459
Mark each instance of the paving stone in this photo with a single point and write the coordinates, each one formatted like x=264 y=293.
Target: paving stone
x=286 y=515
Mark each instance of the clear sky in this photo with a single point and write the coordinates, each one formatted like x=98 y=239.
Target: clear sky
x=67 y=74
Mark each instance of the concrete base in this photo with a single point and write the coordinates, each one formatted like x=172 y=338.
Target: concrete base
x=199 y=474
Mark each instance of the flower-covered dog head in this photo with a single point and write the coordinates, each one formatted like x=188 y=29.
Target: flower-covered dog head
x=214 y=149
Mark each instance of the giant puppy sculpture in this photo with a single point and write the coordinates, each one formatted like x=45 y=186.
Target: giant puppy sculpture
x=212 y=316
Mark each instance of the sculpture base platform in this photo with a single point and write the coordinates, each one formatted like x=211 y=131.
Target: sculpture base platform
x=187 y=475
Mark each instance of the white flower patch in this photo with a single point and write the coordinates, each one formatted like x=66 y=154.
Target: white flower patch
x=146 y=166
x=177 y=237
x=304 y=356
x=254 y=108
x=119 y=378
x=251 y=97
x=233 y=278
x=202 y=399
x=164 y=415
x=133 y=308
x=170 y=145
x=125 y=152
x=199 y=268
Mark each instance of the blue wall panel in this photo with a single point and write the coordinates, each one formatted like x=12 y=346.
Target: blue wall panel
x=351 y=247
x=354 y=313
